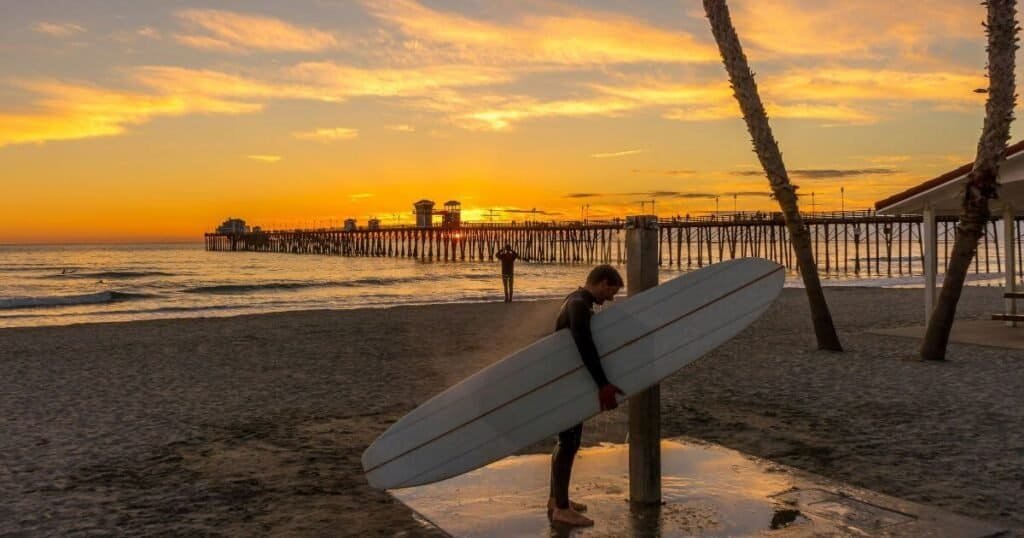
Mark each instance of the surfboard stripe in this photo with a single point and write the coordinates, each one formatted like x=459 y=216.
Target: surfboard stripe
x=576 y=369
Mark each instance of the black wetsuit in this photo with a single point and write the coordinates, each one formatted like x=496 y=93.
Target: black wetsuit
x=575 y=315
x=508 y=260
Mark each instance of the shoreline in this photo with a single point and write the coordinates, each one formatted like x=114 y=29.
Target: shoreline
x=790 y=285
x=255 y=423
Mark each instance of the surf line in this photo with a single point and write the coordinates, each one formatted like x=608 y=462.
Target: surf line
x=574 y=370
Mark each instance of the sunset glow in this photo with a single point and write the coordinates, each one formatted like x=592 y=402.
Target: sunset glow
x=157 y=120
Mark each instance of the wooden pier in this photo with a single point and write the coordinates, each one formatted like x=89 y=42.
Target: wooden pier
x=848 y=244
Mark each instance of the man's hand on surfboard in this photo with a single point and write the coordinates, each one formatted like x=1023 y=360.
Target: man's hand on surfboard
x=607 y=397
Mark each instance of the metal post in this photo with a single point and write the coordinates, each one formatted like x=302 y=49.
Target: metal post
x=929 y=246
x=645 y=407
x=1009 y=233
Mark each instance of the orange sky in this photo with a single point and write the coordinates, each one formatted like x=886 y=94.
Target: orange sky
x=157 y=120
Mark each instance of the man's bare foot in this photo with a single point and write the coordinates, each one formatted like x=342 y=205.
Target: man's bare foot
x=579 y=507
x=568 y=516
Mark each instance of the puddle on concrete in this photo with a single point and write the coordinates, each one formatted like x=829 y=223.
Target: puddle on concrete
x=707 y=490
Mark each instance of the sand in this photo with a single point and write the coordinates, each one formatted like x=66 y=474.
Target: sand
x=255 y=424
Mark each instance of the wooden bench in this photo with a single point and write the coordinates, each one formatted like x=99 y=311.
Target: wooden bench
x=1008 y=317
x=1012 y=318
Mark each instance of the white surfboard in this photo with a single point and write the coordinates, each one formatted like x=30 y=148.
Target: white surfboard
x=544 y=388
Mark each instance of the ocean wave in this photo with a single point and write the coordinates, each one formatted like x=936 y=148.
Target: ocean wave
x=110 y=275
x=68 y=300
x=279 y=286
x=247 y=288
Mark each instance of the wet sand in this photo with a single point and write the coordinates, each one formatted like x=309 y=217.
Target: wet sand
x=255 y=424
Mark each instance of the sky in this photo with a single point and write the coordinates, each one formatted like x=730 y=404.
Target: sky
x=154 y=120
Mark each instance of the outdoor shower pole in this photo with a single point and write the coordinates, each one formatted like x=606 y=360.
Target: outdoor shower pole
x=645 y=407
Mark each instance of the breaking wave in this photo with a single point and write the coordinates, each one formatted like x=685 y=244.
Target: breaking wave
x=68 y=300
x=278 y=286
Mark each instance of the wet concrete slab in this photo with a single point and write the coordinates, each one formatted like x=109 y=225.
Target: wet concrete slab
x=708 y=490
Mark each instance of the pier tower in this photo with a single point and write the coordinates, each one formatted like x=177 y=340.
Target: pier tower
x=451 y=217
x=424 y=213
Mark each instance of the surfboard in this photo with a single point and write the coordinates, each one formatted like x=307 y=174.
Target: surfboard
x=544 y=388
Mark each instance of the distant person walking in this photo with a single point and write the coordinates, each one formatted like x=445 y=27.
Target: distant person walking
x=602 y=284
x=508 y=262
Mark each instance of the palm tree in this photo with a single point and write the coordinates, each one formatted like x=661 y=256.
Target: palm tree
x=982 y=182
x=745 y=91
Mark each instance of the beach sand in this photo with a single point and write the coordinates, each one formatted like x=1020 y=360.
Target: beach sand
x=255 y=424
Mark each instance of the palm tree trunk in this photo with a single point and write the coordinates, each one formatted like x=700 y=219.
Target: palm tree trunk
x=982 y=183
x=745 y=90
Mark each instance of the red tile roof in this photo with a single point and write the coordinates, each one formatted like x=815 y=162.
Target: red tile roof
x=948 y=176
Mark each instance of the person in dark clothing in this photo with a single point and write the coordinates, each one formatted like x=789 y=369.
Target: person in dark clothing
x=602 y=284
x=508 y=261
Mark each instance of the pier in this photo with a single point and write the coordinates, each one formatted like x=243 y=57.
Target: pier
x=852 y=243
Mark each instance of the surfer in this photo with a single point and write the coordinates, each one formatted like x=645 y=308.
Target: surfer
x=602 y=284
x=508 y=260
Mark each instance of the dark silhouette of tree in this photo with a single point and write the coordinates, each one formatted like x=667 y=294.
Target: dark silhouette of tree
x=982 y=182
x=745 y=91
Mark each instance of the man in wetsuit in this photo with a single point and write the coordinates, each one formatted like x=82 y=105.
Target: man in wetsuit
x=508 y=261
x=602 y=284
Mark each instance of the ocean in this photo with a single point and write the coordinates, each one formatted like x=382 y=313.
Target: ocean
x=59 y=285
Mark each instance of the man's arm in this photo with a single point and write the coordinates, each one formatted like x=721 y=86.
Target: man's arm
x=579 y=326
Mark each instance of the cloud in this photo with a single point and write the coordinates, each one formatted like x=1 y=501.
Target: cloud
x=352 y=81
x=832 y=113
x=58 y=29
x=360 y=196
x=839 y=84
x=838 y=95
x=826 y=173
x=264 y=158
x=617 y=153
x=148 y=32
x=505 y=115
x=561 y=36
x=328 y=134
x=226 y=31
x=649 y=194
x=665 y=172
x=529 y=211
x=747 y=193
x=206 y=43
x=223 y=85
x=863 y=29
x=317 y=81
x=831 y=61
x=64 y=111
x=712 y=101
x=887 y=159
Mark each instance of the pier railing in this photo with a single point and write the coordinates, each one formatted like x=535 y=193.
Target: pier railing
x=859 y=243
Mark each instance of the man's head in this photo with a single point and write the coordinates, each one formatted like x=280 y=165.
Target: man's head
x=603 y=283
x=508 y=246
